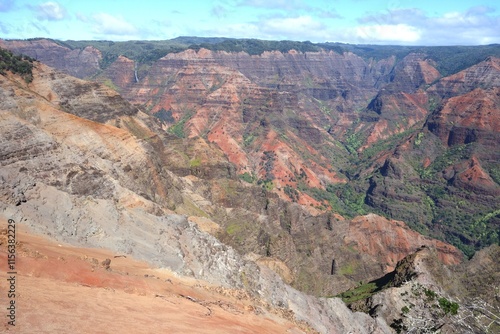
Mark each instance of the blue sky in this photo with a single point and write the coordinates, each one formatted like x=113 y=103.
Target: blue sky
x=423 y=22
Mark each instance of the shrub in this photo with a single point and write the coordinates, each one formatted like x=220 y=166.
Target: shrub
x=22 y=65
x=447 y=306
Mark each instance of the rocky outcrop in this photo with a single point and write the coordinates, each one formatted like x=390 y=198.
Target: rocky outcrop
x=403 y=102
x=388 y=240
x=91 y=183
x=468 y=118
x=120 y=74
x=471 y=176
x=81 y=63
x=421 y=296
x=483 y=75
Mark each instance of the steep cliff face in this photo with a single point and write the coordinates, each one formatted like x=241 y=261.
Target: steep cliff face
x=91 y=183
x=420 y=296
x=258 y=164
x=201 y=98
x=449 y=162
x=388 y=240
x=482 y=75
x=102 y=181
x=119 y=75
x=402 y=103
x=468 y=118
x=81 y=63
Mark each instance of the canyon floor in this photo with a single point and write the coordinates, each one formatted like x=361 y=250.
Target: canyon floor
x=65 y=289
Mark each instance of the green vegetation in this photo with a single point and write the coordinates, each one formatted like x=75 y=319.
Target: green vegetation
x=178 y=128
x=111 y=85
x=448 y=306
x=348 y=269
x=353 y=142
x=343 y=198
x=256 y=46
x=361 y=292
x=266 y=184
x=449 y=59
x=164 y=116
x=144 y=52
x=383 y=145
x=448 y=158
x=248 y=139
x=196 y=162
x=247 y=177
x=292 y=193
x=234 y=229
x=22 y=65
x=431 y=295
x=366 y=290
x=418 y=140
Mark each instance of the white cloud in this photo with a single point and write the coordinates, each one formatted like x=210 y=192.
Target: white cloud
x=277 y=28
x=328 y=14
x=51 y=11
x=388 y=33
x=405 y=26
x=273 y=4
x=478 y=25
x=411 y=16
x=106 y=24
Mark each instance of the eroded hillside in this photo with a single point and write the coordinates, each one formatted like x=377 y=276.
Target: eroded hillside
x=227 y=165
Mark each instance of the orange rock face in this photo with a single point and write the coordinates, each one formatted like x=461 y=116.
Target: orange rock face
x=474 y=116
x=120 y=73
x=470 y=175
x=391 y=240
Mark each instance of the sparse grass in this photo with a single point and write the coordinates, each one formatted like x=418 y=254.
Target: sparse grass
x=178 y=128
x=248 y=139
x=347 y=269
x=196 y=162
x=233 y=228
x=108 y=83
x=366 y=290
x=361 y=292
x=247 y=177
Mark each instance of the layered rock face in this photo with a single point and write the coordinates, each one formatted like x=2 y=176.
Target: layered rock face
x=92 y=183
x=79 y=63
x=470 y=109
x=294 y=121
x=298 y=128
x=394 y=238
x=450 y=162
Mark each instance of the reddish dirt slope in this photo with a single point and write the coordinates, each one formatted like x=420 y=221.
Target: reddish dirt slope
x=63 y=289
x=391 y=240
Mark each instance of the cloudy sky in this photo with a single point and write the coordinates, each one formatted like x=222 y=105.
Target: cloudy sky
x=422 y=22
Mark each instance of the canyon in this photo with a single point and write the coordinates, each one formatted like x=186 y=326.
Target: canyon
x=292 y=176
